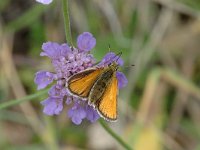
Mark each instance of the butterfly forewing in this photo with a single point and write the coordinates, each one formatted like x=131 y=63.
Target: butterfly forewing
x=81 y=83
x=107 y=104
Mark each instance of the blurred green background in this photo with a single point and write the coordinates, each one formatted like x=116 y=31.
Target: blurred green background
x=160 y=107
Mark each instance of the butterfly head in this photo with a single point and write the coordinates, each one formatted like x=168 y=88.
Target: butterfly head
x=114 y=66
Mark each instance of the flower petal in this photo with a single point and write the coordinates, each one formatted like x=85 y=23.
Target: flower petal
x=122 y=80
x=46 y=2
x=109 y=58
x=86 y=41
x=68 y=100
x=77 y=114
x=43 y=78
x=91 y=114
x=65 y=49
x=54 y=50
x=52 y=106
x=56 y=91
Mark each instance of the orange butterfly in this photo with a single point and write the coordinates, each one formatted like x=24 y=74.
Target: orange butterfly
x=100 y=87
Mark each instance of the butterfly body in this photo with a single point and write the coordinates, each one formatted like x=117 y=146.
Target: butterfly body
x=99 y=87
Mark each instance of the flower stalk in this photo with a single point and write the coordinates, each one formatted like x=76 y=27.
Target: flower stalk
x=114 y=135
x=65 y=9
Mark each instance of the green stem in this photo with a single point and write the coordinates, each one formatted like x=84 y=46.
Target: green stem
x=114 y=135
x=65 y=9
x=17 y=101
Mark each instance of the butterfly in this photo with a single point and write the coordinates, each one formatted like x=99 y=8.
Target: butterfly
x=99 y=86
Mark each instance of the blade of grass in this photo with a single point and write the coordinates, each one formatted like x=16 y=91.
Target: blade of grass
x=24 y=99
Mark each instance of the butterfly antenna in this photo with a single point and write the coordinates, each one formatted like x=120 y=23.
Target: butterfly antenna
x=119 y=55
x=109 y=48
x=129 y=66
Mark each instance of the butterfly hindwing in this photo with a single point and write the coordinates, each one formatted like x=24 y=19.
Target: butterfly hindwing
x=81 y=83
x=107 y=105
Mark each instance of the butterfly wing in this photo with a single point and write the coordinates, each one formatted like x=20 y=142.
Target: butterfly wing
x=107 y=105
x=81 y=83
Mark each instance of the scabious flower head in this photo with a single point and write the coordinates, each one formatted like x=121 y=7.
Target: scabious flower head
x=66 y=62
x=45 y=2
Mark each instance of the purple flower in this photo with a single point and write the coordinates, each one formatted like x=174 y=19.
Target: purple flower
x=77 y=114
x=45 y=2
x=68 y=61
x=82 y=110
x=122 y=80
x=109 y=58
x=43 y=78
x=52 y=106
x=91 y=114
x=54 y=50
x=56 y=91
x=86 y=41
